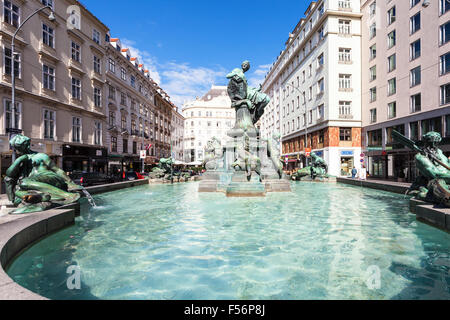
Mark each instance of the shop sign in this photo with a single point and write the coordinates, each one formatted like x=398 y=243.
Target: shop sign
x=346 y=153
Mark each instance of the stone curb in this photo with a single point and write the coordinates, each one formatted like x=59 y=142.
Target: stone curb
x=19 y=232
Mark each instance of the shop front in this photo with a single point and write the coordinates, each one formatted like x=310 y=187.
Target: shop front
x=84 y=159
x=347 y=162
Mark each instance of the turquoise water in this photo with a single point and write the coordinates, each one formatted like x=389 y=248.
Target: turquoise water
x=323 y=241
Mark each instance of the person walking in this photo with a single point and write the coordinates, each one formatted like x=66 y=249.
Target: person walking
x=354 y=173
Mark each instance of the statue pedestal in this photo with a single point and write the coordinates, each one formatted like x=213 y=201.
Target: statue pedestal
x=241 y=187
x=233 y=180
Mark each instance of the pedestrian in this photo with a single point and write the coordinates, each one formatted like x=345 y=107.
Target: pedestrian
x=354 y=173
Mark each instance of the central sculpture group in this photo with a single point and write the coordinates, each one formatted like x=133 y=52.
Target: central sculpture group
x=247 y=165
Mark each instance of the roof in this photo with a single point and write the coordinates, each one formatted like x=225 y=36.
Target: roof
x=214 y=92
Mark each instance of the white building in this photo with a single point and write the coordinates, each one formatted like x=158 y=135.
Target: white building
x=315 y=88
x=207 y=117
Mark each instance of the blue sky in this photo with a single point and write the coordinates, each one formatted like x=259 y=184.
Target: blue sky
x=190 y=45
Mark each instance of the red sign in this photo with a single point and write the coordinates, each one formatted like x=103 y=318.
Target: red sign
x=384 y=153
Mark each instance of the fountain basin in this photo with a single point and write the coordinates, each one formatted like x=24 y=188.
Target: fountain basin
x=318 y=242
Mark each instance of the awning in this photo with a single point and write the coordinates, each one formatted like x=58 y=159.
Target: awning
x=177 y=162
x=195 y=163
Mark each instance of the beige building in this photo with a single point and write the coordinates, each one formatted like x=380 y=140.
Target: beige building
x=405 y=80
x=130 y=109
x=315 y=85
x=80 y=96
x=206 y=117
x=59 y=84
x=177 y=135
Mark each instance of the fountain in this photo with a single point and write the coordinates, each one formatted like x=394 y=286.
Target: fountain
x=89 y=198
x=248 y=166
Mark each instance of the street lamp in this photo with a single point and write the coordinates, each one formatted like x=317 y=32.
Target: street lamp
x=52 y=18
x=306 y=121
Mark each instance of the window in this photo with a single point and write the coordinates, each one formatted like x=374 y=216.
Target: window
x=391 y=39
x=415 y=76
x=76 y=52
x=97 y=65
x=345 y=109
x=320 y=112
x=415 y=49
x=11 y=13
x=416 y=103
x=445 y=94
x=345 y=81
x=345 y=134
x=344 y=4
x=392 y=86
x=373 y=73
x=7 y=63
x=125 y=145
x=373 y=94
x=48 y=35
x=345 y=55
x=445 y=63
x=76 y=129
x=415 y=23
x=372 y=30
x=133 y=81
x=344 y=26
x=373 y=52
x=391 y=15
x=444 y=6
x=320 y=61
x=373 y=115
x=113 y=144
x=97 y=133
x=48 y=77
x=392 y=63
x=112 y=93
x=123 y=74
x=112 y=65
x=392 y=110
x=320 y=87
x=321 y=33
x=76 y=89
x=47 y=3
x=373 y=8
x=49 y=124
x=96 y=36
x=414 y=131
x=97 y=97
x=112 y=118
x=123 y=99
x=9 y=115
x=414 y=2
x=444 y=33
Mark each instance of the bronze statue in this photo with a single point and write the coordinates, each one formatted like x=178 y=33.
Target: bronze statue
x=248 y=102
x=434 y=167
x=34 y=183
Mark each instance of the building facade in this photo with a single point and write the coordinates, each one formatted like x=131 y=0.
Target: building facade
x=315 y=86
x=80 y=96
x=206 y=117
x=405 y=80
x=177 y=136
x=130 y=109
x=59 y=84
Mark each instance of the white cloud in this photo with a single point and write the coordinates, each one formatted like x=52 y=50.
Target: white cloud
x=181 y=81
x=257 y=77
x=144 y=57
